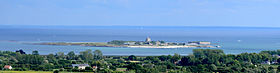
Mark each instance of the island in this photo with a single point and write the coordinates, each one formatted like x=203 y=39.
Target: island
x=148 y=43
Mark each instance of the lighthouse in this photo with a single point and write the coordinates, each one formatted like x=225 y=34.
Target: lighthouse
x=148 y=39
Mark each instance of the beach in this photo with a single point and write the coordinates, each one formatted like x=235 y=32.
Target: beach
x=185 y=46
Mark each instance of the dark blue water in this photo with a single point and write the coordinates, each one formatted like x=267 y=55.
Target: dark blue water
x=233 y=40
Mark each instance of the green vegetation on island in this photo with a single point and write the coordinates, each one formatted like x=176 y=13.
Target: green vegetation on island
x=148 y=43
x=95 y=44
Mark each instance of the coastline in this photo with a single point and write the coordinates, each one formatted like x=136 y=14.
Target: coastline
x=103 y=44
x=185 y=46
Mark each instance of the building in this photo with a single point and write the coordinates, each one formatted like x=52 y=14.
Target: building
x=148 y=39
x=204 y=43
x=199 y=43
x=80 y=66
x=158 y=43
x=8 y=67
x=94 y=68
x=129 y=43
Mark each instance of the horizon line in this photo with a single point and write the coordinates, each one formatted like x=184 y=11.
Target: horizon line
x=142 y=26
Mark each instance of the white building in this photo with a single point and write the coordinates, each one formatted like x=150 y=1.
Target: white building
x=148 y=39
x=80 y=66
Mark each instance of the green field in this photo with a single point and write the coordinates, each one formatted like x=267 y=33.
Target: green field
x=26 y=72
x=38 y=72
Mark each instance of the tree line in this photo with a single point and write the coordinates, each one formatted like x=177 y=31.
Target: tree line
x=202 y=60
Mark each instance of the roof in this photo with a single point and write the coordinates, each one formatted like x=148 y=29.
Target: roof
x=7 y=66
x=74 y=65
x=94 y=66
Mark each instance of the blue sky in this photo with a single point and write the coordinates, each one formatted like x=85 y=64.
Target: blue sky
x=255 y=13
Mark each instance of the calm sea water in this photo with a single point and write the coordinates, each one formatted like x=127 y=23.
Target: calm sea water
x=233 y=40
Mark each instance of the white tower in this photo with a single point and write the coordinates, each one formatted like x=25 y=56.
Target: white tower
x=148 y=39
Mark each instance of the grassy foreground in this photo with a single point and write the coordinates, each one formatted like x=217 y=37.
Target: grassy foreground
x=26 y=72
x=37 y=72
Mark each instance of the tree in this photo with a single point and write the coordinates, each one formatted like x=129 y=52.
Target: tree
x=213 y=67
x=278 y=68
x=20 y=51
x=56 y=71
x=162 y=42
x=170 y=65
x=51 y=59
x=35 y=52
x=150 y=65
x=134 y=66
x=163 y=58
x=97 y=55
x=88 y=68
x=86 y=55
x=188 y=60
x=131 y=57
x=161 y=68
x=116 y=42
x=60 y=55
x=278 y=60
x=175 y=58
x=71 y=55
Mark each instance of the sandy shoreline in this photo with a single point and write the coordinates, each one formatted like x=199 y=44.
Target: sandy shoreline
x=98 y=44
x=187 y=46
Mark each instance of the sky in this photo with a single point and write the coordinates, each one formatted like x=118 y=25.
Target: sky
x=253 y=13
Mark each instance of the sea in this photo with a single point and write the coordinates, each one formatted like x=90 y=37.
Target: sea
x=233 y=40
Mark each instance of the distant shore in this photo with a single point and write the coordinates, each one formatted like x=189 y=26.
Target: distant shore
x=186 y=46
x=103 y=44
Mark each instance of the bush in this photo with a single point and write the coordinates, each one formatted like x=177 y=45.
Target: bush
x=56 y=71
